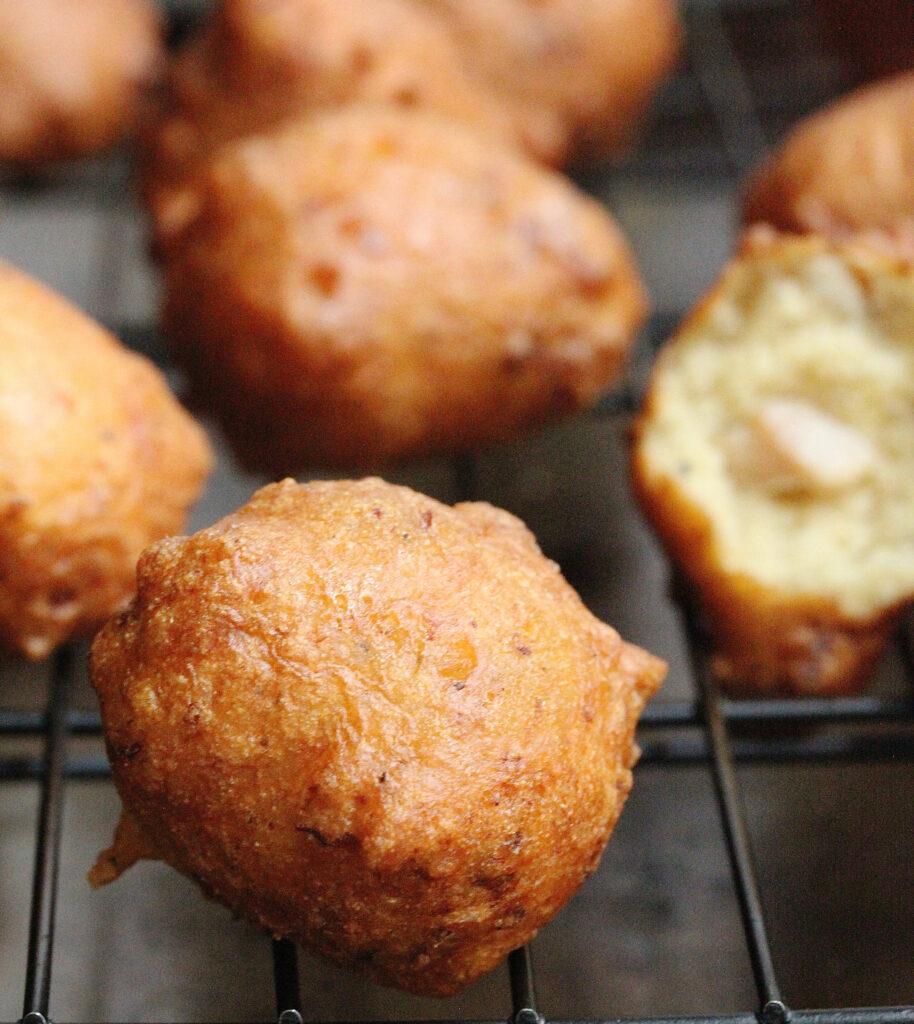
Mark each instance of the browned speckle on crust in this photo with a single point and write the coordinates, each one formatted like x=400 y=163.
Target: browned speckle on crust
x=258 y=63
x=466 y=328
x=373 y=769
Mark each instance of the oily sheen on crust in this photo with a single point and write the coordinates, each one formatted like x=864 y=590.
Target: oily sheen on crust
x=384 y=727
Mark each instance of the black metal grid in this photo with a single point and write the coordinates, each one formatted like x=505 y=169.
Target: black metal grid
x=706 y=731
x=716 y=119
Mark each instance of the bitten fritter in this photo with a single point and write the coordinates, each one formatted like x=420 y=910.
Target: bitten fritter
x=775 y=458
x=846 y=169
x=376 y=724
x=74 y=75
x=594 y=65
x=257 y=63
x=97 y=460
x=372 y=285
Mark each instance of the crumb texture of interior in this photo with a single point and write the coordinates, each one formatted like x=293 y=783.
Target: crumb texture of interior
x=786 y=414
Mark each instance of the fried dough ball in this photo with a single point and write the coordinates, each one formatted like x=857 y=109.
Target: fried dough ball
x=596 y=65
x=847 y=169
x=73 y=75
x=775 y=458
x=381 y=726
x=259 y=62
x=97 y=460
x=372 y=285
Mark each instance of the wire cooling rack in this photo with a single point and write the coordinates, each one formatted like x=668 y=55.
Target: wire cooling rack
x=750 y=69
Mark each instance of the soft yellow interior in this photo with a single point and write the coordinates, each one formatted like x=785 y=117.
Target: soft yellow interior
x=841 y=340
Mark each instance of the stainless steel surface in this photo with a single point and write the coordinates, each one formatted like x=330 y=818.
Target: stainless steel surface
x=656 y=932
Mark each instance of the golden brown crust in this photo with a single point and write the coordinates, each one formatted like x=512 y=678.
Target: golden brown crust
x=73 y=75
x=595 y=65
x=97 y=460
x=372 y=285
x=763 y=643
x=381 y=726
x=128 y=846
x=258 y=63
x=845 y=169
x=766 y=639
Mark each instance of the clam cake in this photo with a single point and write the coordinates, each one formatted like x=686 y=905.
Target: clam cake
x=373 y=285
x=97 y=460
x=74 y=76
x=775 y=458
x=594 y=65
x=257 y=63
x=845 y=169
x=384 y=727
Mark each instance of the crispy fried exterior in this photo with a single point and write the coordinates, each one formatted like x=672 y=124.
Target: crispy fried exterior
x=846 y=169
x=372 y=285
x=97 y=460
x=379 y=725
x=257 y=63
x=764 y=642
x=800 y=587
x=73 y=75
x=595 y=65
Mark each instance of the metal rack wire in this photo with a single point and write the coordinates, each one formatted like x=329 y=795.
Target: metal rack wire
x=715 y=719
x=718 y=116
